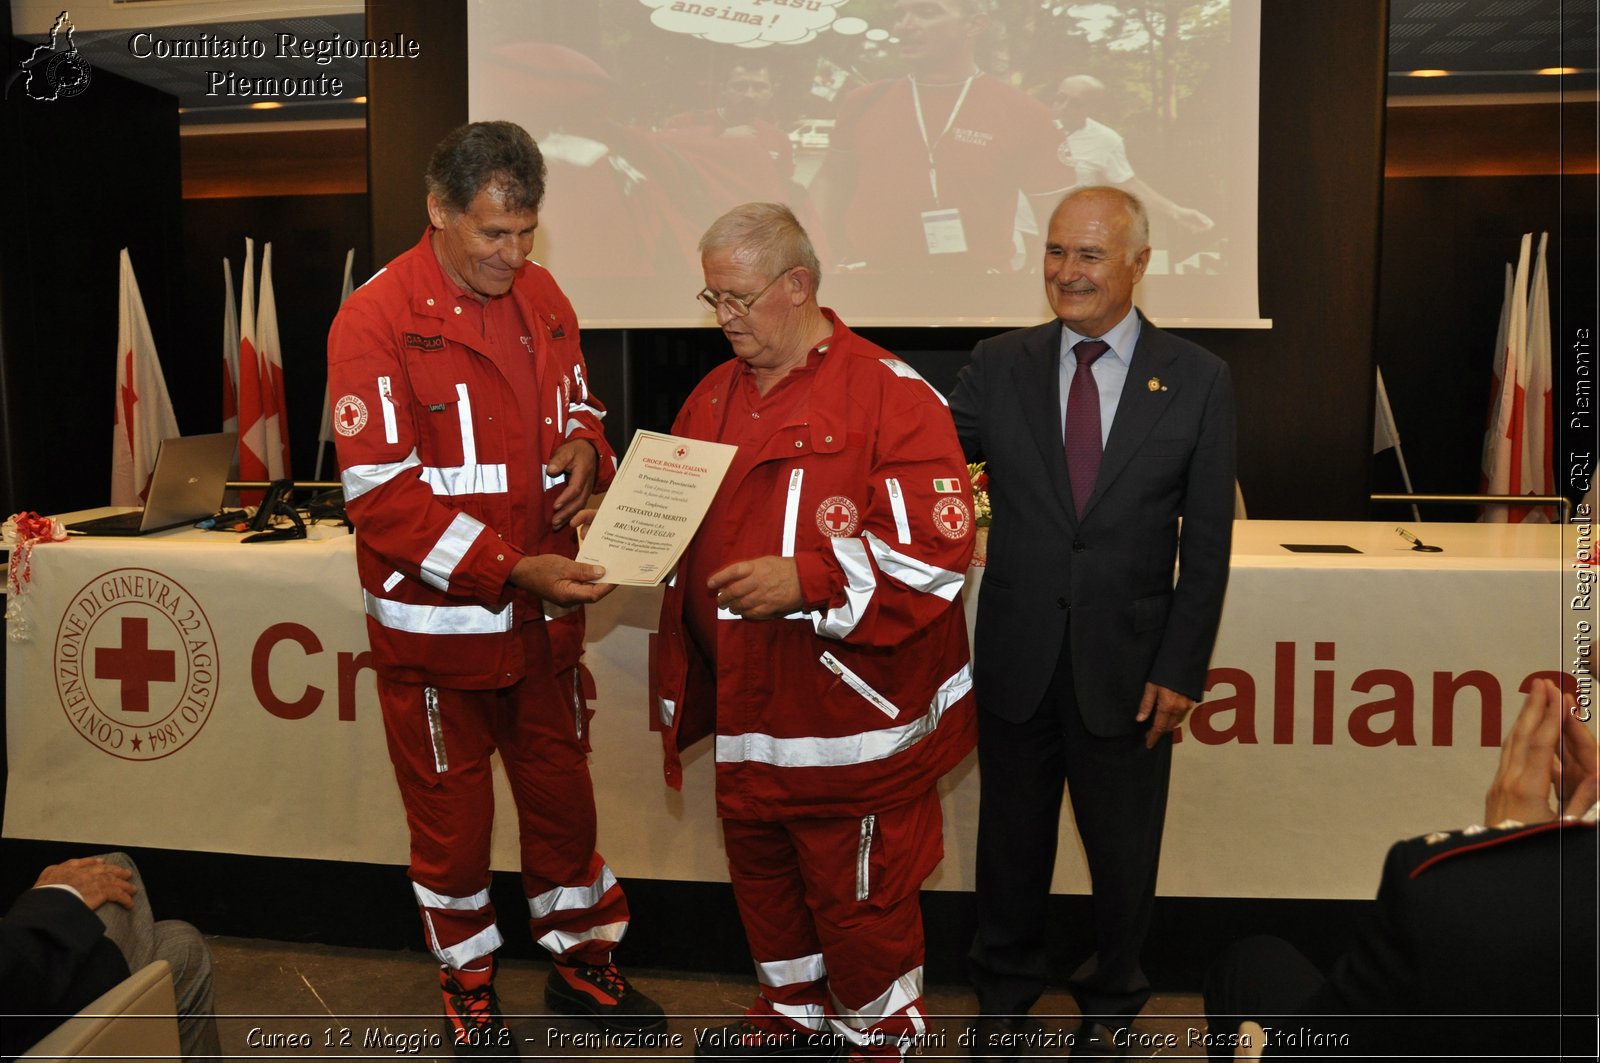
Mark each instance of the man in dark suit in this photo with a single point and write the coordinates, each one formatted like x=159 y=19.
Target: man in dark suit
x=1088 y=654
x=1481 y=942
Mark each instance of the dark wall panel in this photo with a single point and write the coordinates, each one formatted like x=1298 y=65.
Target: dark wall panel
x=85 y=177
x=1445 y=242
x=309 y=235
x=411 y=106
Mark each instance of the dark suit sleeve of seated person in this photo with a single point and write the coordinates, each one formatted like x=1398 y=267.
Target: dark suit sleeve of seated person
x=1481 y=943
x=54 y=959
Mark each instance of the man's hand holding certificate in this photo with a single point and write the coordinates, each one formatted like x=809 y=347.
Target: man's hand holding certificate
x=655 y=504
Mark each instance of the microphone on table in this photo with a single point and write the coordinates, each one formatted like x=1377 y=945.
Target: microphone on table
x=1418 y=544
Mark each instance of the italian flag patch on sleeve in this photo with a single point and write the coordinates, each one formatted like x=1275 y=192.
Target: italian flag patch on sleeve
x=946 y=487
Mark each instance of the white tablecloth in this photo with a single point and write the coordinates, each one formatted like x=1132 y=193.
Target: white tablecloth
x=1356 y=698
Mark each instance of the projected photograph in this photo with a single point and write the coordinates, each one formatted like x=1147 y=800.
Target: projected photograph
x=923 y=143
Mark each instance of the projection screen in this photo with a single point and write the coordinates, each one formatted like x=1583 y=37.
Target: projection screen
x=922 y=143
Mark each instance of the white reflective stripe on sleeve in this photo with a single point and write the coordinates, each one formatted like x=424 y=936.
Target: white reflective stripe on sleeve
x=792 y=972
x=860 y=748
x=859 y=584
x=574 y=408
x=357 y=480
x=429 y=899
x=560 y=941
x=667 y=709
x=791 y=510
x=447 y=553
x=437 y=619
x=897 y=503
x=901 y=369
x=391 y=431
x=860 y=686
x=726 y=614
x=552 y=481
x=918 y=575
x=901 y=994
x=571 y=898
x=466 y=480
x=394 y=579
x=951 y=690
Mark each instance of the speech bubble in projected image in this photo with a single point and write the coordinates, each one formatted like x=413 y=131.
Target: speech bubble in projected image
x=747 y=23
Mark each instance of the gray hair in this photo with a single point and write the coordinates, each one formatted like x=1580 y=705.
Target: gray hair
x=772 y=232
x=1138 y=219
x=495 y=155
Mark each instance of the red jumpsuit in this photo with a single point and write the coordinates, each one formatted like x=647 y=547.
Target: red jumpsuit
x=446 y=411
x=986 y=140
x=833 y=724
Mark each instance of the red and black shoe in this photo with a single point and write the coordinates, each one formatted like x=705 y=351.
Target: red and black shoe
x=602 y=994
x=478 y=1028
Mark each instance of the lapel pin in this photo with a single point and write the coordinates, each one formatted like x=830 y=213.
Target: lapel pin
x=1155 y=384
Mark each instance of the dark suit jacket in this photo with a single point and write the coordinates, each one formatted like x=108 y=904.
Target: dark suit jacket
x=1170 y=455
x=1478 y=944
x=54 y=959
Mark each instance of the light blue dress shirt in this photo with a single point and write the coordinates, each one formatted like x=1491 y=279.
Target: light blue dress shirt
x=1110 y=370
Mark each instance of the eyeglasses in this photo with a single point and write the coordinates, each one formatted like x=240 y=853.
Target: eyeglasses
x=739 y=305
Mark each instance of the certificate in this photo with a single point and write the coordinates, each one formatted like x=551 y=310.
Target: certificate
x=655 y=503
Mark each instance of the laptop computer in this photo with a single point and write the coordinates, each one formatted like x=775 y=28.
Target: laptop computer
x=190 y=476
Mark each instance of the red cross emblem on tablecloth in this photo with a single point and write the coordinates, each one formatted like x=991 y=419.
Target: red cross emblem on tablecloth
x=838 y=517
x=135 y=664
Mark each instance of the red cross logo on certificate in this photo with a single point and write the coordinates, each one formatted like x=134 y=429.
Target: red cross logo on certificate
x=951 y=517
x=135 y=664
x=838 y=517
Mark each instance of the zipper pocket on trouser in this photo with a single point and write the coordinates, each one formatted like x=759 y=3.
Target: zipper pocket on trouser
x=577 y=703
x=869 y=826
x=430 y=702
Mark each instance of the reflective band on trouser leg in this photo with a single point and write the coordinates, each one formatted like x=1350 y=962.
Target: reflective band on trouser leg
x=794 y=990
x=458 y=929
x=581 y=923
x=886 y=1027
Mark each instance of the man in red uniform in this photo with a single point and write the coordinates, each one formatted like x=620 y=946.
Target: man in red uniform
x=923 y=172
x=469 y=439
x=815 y=625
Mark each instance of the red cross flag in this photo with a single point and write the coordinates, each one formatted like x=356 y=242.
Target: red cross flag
x=230 y=355
x=252 y=412
x=325 y=433
x=274 y=401
x=1517 y=446
x=144 y=414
